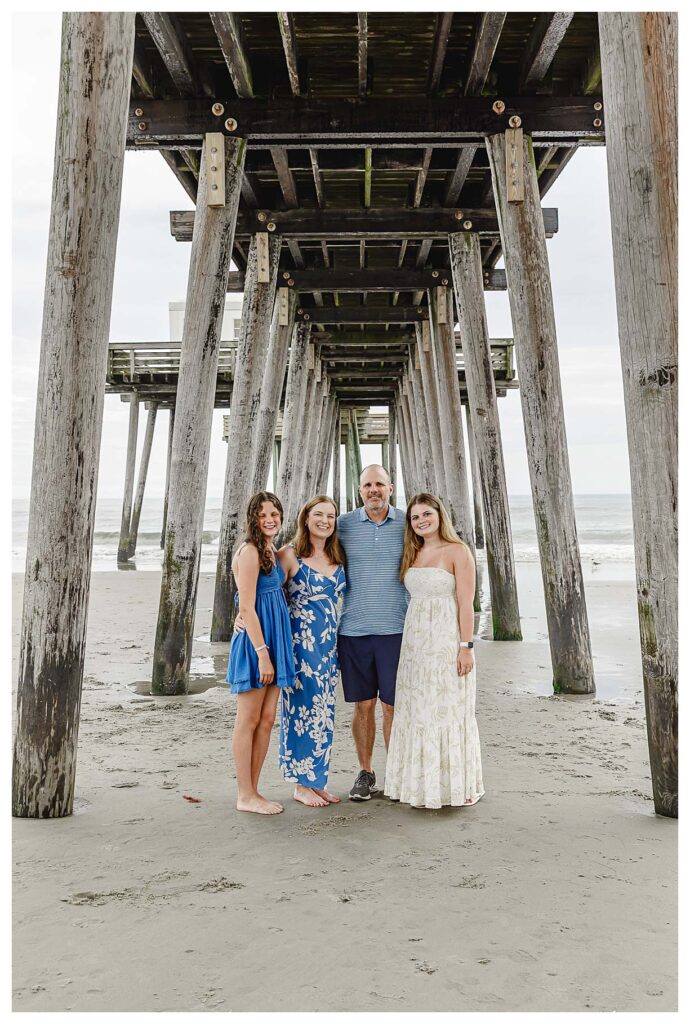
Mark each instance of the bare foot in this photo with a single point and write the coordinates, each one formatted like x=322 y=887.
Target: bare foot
x=310 y=797
x=259 y=805
x=328 y=796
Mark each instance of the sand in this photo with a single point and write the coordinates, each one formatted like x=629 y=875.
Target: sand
x=557 y=892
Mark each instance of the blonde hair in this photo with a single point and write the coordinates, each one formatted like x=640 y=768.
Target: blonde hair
x=302 y=542
x=411 y=542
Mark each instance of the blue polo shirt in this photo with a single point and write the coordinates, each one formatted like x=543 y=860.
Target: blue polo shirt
x=375 y=600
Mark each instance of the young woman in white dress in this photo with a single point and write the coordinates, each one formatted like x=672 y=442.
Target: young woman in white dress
x=434 y=757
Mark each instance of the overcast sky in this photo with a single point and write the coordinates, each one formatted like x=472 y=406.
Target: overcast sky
x=151 y=271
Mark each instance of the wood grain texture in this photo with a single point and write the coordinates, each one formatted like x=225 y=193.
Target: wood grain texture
x=250 y=367
x=271 y=390
x=534 y=327
x=465 y=258
x=393 y=447
x=214 y=231
x=450 y=410
x=171 y=429
x=290 y=463
x=95 y=78
x=476 y=482
x=639 y=57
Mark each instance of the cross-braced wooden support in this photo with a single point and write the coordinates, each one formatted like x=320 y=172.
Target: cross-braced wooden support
x=95 y=74
x=128 y=490
x=271 y=390
x=534 y=327
x=214 y=230
x=250 y=366
x=465 y=259
x=639 y=58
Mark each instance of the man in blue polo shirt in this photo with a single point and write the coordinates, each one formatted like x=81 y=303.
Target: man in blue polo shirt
x=371 y=626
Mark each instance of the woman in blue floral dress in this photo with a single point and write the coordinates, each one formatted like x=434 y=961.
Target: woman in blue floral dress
x=315 y=569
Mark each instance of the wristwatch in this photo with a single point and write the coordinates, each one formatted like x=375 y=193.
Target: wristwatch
x=467 y=643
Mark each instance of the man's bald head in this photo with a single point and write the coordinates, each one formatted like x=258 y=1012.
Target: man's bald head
x=375 y=489
x=375 y=472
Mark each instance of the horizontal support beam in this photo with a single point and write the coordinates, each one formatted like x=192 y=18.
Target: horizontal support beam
x=365 y=314
x=304 y=121
x=343 y=339
x=375 y=280
x=384 y=222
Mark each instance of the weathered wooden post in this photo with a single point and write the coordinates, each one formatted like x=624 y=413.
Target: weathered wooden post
x=357 y=453
x=430 y=391
x=282 y=327
x=336 y=457
x=476 y=482
x=531 y=304
x=141 y=482
x=414 y=481
x=252 y=345
x=450 y=410
x=128 y=490
x=290 y=465
x=393 y=448
x=274 y=463
x=314 y=439
x=171 y=428
x=639 y=61
x=303 y=452
x=483 y=425
x=328 y=430
x=349 y=489
x=422 y=428
x=212 y=241
x=404 y=458
x=95 y=75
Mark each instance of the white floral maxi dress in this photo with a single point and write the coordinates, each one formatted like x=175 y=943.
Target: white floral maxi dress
x=434 y=757
x=307 y=707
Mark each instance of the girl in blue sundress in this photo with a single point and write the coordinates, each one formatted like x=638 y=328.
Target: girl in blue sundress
x=261 y=661
x=315 y=568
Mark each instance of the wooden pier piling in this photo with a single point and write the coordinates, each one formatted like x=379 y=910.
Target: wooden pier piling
x=250 y=370
x=485 y=427
x=95 y=72
x=141 y=481
x=214 y=230
x=290 y=465
x=171 y=428
x=639 y=57
x=476 y=482
x=534 y=327
x=128 y=490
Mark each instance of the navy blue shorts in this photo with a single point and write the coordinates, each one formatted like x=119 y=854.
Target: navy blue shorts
x=368 y=666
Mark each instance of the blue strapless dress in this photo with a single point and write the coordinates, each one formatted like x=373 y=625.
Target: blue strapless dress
x=272 y=610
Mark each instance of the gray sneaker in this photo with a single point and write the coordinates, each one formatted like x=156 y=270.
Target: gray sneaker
x=365 y=785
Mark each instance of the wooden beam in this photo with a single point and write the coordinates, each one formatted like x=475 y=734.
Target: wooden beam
x=639 y=54
x=171 y=42
x=542 y=45
x=421 y=122
x=381 y=222
x=286 y=24
x=486 y=40
x=362 y=58
x=209 y=267
x=143 y=72
x=367 y=176
x=182 y=173
x=228 y=28
x=444 y=22
x=285 y=176
x=368 y=280
x=365 y=315
x=534 y=324
x=318 y=179
x=94 y=82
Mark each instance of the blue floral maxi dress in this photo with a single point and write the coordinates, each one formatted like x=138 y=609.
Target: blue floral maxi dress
x=307 y=707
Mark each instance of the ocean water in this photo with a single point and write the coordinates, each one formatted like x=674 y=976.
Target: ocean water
x=604 y=526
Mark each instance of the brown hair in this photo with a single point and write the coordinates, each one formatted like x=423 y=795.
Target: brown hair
x=252 y=530
x=411 y=542
x=302 y=543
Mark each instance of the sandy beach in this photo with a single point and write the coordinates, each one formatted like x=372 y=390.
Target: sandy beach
x=557 y=892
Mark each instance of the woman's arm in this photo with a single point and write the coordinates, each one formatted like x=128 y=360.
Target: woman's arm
x=465 y=579
x=247 y=574
x=288 y=560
